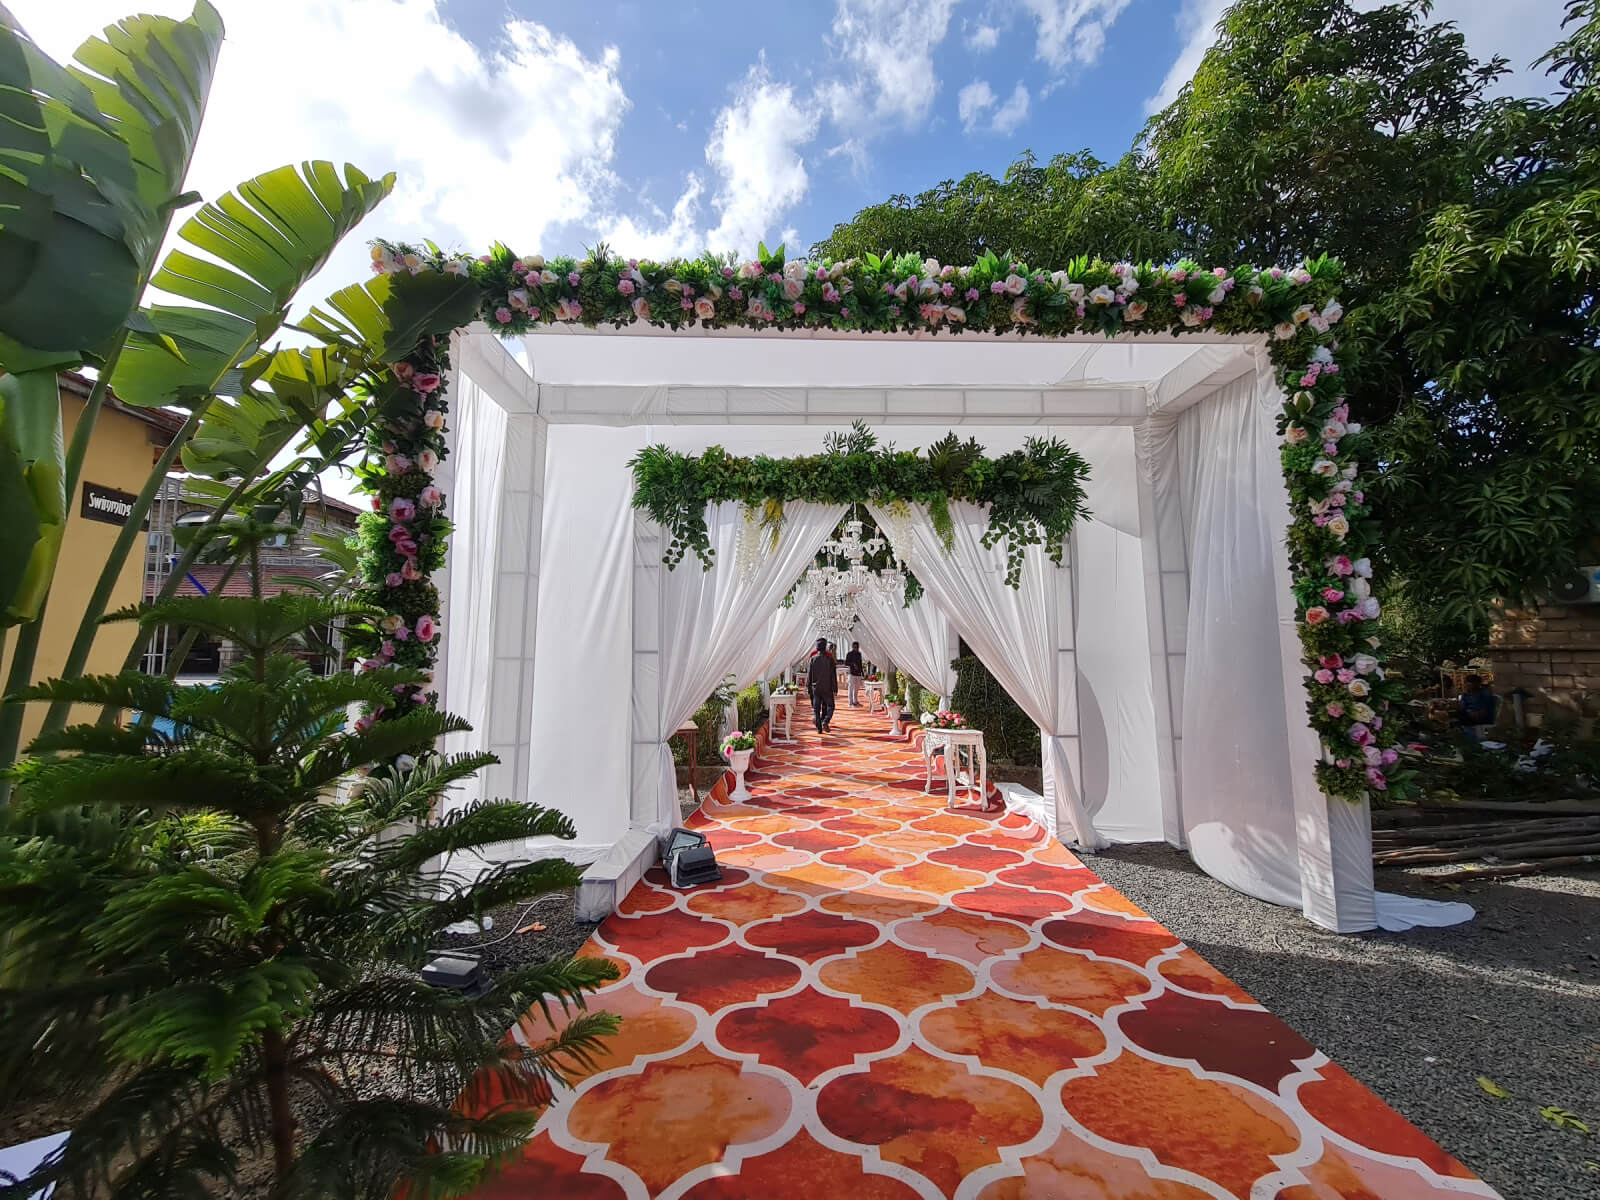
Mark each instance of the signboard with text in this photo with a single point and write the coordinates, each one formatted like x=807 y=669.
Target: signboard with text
x=101 y=503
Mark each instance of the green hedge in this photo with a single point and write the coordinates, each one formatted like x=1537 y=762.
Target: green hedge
x=1008 y=734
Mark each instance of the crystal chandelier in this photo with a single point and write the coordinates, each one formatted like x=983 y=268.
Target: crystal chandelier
x=835 y=593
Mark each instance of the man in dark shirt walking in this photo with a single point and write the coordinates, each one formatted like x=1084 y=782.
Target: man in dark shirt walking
x=822 y=682
x=857 y=670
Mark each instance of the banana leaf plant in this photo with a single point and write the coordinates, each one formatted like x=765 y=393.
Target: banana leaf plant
x=92 y=164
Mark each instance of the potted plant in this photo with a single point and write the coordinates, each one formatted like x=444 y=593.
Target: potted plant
x=737 y=748
x=944 y=719
x=895 y=708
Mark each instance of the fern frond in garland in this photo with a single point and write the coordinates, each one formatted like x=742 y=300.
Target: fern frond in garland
x=1034 y=495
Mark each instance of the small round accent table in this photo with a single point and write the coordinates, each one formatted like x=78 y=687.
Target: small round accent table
x=957 y=743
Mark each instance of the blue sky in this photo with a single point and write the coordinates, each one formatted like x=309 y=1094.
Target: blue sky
x=671 y=126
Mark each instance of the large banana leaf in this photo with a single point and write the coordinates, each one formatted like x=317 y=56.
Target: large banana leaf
x=390 y=314
x=291 y=395
x=264 y=240
x=92 y=163
x=31 y=493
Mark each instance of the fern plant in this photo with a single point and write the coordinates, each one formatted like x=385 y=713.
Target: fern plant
x=213 y=934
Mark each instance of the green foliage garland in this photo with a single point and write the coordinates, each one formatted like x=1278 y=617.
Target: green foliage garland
x=1034 y=494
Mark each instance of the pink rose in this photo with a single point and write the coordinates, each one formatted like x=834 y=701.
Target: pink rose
x=1340 y=565
x=1179 y=275
x=1360 y=734
x=799 y=310
x=401 y=509
x=503 y=315
x=406 y=548
x=727 y=272
x=1316 y=615
x=392 y=579
x=1341 y=763
x=1180 y=300
x=705 y=308
x=625 y=286
x=428 y=460
x=401 y=633
x=1346 y=675
x=574 y=278
x=972 y=293
x=397 y=464
x=641 y=307
x=1331 y=661
x=363 y=724
x=1323 y=676
x=1390 y=756
x=430 y=497
x=1330 y=447
x=425 y=383
x=387 y=649
x=409 y=570
x=1335 y=709
x=1332 y=595
x=403 y=370
x=1375 y=780
x=426 y=628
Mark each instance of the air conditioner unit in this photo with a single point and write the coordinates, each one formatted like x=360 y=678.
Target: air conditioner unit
x=1580 y=587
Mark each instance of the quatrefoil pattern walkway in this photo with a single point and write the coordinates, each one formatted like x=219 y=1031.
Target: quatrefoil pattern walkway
x=886 y=1001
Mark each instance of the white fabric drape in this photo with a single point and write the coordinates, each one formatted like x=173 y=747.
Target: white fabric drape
x=1237 y=786
x=776 y=643
x=707 y=618
x=916 y=636
x=1023 y=635
x=475 y=503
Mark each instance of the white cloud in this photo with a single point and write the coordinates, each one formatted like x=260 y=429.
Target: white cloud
x=1072 y=30
x=975 y=100
x=977 y=105
x=889 y=44
x=755 y=151
x=983 y=37
x=1520 y=32
x=504 y=143
x=1013 y=112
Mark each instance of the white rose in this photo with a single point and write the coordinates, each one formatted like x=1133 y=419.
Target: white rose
x=1362 y=712
x=1333 y=431
x=1016 y=285
x=1283 y=330
x=1102 y=295
x=1359 y=588
x=1324 y=468
x=1363 y=568
x=1321 y=354
x=1302 y=314
x=1218 y=295
x=1364 y=664
x=1332 y=311
x=795 y=269
x=1358 y=687
x=1338 y=526
x=1295 y=434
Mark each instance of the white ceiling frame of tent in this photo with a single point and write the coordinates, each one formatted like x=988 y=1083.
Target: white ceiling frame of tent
x=1093 y=380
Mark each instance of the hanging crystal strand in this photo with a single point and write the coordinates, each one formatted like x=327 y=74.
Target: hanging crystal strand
x=747 y=548
x=896 y=527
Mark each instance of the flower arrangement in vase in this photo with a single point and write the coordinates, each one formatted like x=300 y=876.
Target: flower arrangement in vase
x=944 y=719
x=737 y=748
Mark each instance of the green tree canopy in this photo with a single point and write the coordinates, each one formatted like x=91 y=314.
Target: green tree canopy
x=1465 y=225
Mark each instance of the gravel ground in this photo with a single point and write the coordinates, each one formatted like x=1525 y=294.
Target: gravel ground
x=561 y=937
x=1513 y=995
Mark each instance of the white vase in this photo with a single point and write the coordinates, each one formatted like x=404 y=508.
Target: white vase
x=739 y=762
x=894 y=717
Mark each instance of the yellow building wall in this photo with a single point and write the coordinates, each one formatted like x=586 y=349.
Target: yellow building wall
x=120 y=456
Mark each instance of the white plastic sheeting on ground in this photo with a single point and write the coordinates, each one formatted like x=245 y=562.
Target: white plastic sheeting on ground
x=1022 y=634
x=706 y=617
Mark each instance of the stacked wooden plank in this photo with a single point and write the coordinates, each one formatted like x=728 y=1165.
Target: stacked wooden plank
x=1508 y=846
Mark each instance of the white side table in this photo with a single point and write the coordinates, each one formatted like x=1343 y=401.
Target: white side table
x=782 y=704
x=956 y=743
x=874 y=689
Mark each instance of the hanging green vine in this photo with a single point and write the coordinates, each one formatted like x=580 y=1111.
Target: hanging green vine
x=1034 y=494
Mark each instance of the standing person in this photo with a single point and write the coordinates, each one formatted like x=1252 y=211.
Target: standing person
x=1476 y=709
x=823 y=685
x=857 y=669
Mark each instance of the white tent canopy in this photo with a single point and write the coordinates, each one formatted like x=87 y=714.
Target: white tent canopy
x=1174 y=619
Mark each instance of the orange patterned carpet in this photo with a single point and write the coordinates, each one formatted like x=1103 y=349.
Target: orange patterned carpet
x=884 y=1001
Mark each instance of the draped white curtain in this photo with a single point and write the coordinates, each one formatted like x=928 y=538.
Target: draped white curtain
x=776 y=643
x=917 y=637
x=1023 y=635
x=475 y=505
x=707 y=618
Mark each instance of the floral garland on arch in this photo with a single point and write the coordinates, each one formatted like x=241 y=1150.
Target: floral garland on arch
x=401 y=542
x=1331 y=534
